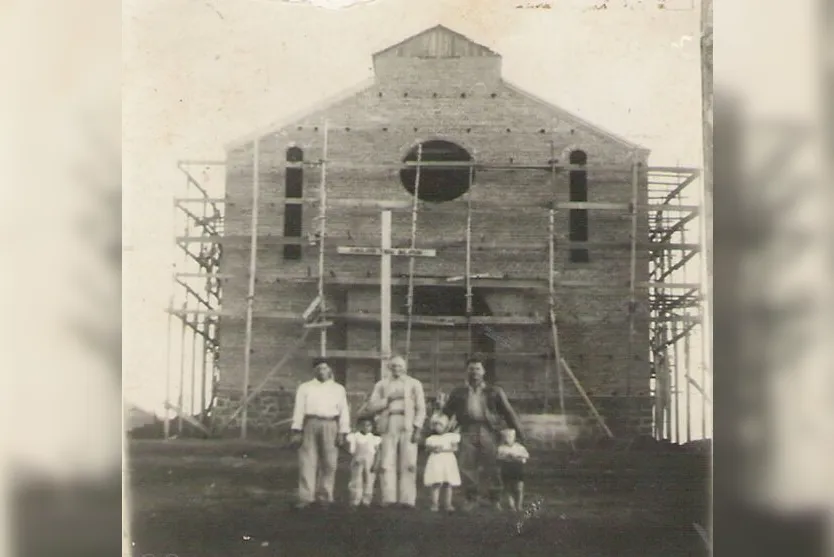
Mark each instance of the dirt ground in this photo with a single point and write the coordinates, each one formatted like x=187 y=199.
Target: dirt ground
x=201 y=498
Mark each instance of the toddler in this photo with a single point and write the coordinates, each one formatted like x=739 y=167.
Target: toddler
x=363 y=445
x=512 y=456
x=442 y=466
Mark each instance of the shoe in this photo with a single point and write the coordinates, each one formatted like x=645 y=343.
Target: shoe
x=302 y=505
x=406 y=507
x=434 y=508
x=450 y=510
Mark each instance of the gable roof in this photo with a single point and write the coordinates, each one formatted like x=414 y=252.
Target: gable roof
x=436 y=42
x=574 y=118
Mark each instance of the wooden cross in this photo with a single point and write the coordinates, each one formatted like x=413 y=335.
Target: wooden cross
x=385 y=251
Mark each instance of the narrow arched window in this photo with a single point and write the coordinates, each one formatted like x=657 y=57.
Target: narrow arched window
x=293 y=190
x=578 y=218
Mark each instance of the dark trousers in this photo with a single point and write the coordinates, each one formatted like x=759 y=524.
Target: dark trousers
x=478 y=463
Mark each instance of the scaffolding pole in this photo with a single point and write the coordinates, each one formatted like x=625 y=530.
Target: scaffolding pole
x=166 y=431
x=204 y=368
x=322 y=229
x=688 y=362
x=469 y=260
x=193 y=380
x=250 y=297
x=411 y=261
x=632 y=300
x=182 y=368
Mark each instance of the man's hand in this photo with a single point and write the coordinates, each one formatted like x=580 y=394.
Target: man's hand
x=415 y=435
x=296 y=438
x=341 y=440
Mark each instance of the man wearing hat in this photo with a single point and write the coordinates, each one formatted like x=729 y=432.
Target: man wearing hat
x=320 y=424
x=400 y=404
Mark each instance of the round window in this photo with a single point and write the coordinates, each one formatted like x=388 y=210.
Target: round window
x=437 y=183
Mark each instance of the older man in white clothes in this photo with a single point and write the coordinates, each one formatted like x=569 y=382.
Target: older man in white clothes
x=400 y=404
x=320 y=423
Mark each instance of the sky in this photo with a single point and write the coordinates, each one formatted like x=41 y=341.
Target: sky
x=200 y=74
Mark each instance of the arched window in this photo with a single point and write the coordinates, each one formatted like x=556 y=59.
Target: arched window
x=293 y=189
x=578 y=218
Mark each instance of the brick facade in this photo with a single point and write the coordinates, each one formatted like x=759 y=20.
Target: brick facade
x=463 y=100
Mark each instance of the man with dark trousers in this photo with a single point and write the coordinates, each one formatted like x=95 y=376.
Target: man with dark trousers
x=479 y=408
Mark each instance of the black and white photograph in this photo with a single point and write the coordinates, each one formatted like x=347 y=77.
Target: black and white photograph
x=417 y=278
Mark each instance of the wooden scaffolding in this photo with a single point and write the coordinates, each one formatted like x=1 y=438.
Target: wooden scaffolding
x=674 y=243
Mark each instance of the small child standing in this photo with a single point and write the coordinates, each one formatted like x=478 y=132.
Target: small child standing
x=363 y=445
x=512 y=456
x=442 y=466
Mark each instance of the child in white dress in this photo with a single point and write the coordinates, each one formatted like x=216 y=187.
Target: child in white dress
x=363 y=445
x=512 y=456
x=442 y=465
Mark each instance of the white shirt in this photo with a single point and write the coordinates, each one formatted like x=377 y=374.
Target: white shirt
x=363 y=446
x=322 y=399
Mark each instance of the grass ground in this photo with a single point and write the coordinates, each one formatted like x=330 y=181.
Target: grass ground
x=227 y=499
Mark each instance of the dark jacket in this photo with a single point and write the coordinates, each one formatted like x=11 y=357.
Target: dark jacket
x=497 y=406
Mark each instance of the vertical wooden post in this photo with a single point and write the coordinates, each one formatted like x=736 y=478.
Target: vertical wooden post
x=322 y=228
x=411 y=261
x=204 y=369
x=250 y=298
x=184 y=316
x=675 y=384
x=469 y=262
x=167 y=423
x=193 y=381
x=385 y=294
x=688 y=363
x=632 y=300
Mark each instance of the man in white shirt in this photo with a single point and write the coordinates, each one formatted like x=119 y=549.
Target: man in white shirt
x=401 y=405
x=320 y=423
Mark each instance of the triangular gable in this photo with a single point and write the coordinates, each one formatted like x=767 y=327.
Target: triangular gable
x=292 y=119
x=437 y=42
x=574 y=118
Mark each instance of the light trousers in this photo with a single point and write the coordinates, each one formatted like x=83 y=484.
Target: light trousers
x=317 y=460
x=362 y=482
x=398 y=477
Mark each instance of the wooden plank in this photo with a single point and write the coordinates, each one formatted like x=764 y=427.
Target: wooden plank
x=406 y=252
x=179 y=200
x=448 y=244
x=483 y=205
x=428 y=356
x=385 y=292
x=262 y=385
x=587 y=400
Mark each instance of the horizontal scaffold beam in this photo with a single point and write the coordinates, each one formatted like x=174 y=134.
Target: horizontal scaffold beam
x=489 y=206
x=545 y=166
x=447 y=244
x=421 y=320
x=376 y=355
x=497 y=283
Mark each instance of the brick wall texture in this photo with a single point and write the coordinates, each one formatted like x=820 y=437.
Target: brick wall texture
x=465 y=101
